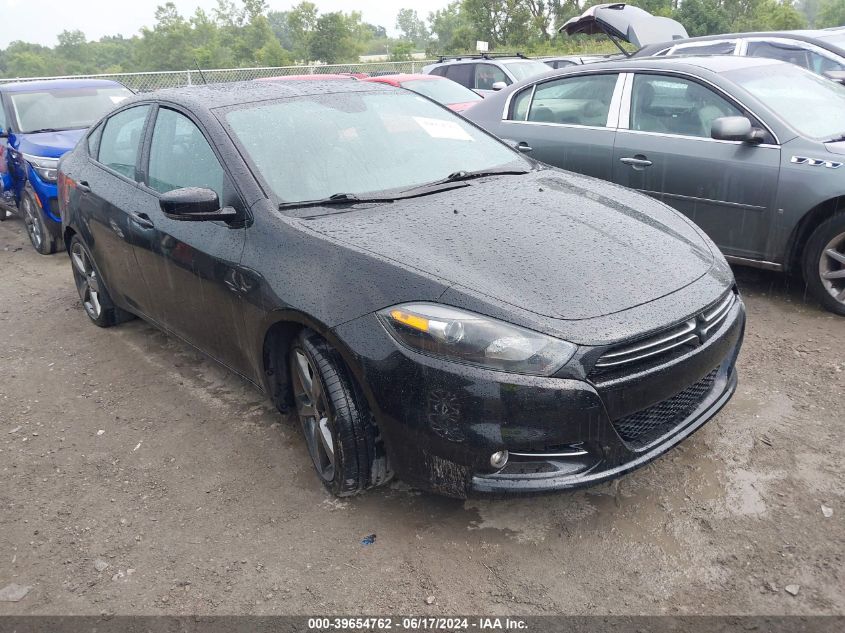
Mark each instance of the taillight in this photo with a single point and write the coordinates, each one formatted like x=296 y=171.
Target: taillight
x=65 y=185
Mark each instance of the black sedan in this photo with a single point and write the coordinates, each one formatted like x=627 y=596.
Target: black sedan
x=429 y=301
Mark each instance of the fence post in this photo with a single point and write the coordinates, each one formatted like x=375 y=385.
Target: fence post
x=189 y=77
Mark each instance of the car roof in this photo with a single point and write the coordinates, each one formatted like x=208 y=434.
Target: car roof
x=210 y=96
x=713 y=63
x=814 y=36
x=58 y=84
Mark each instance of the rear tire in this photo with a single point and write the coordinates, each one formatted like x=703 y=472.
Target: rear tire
x=95 y=297
x=39 y=235
x=339 y=431
x=824 y=263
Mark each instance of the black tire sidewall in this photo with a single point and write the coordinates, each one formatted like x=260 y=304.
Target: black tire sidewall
x=820 y=237
x=352 y=463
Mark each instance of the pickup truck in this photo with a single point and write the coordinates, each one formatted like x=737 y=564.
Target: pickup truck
x=39 y=122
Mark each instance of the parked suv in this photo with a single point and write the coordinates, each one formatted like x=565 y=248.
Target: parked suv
x=40 y=121
x=487 y=72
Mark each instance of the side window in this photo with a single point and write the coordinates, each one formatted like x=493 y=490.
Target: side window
x=460 y=73
x=797 y=55
x=121 y=140
x=574 y=100
x=671 y=105
x=784 y=52
x=488 y=74
x=93 y=141
x=710 y=48
x=3 y=117
x=440 y=71
x=181 y=157
x=519 y=105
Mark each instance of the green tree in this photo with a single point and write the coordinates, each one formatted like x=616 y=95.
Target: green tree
x=331 y=41
x=831 y=13
x=412 y=28
x=401 y=51
x=302 y=21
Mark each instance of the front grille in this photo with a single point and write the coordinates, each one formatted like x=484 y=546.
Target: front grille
x=661 y=346
x=640 y=429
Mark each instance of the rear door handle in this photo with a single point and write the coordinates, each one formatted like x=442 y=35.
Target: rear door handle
x=142 y=220
x=524 y=147
x=636 y=161
x=83 y=186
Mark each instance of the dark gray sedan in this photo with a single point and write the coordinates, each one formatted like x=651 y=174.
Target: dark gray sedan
x=750 y=149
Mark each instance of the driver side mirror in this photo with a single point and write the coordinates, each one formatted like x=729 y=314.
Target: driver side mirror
x=4 y=133
x=734 y=128
x=499 y=85
x=195 y=204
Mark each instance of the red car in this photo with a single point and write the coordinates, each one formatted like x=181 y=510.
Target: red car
x=452 y=95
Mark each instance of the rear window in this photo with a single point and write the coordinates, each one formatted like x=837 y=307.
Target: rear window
x=442 y=91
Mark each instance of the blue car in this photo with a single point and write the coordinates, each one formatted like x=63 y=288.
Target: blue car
x=39 y=122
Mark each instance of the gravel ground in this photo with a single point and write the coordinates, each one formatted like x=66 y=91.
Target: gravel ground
x=139 y=478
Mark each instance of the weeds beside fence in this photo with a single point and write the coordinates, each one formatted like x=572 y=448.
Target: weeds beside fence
x=147 y=81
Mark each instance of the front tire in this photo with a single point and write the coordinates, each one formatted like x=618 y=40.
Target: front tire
x=92 y=292
x=338 y=427
x=41 y=238
x=824 y=263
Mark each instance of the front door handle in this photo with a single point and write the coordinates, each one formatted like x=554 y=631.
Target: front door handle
x=637 y=162
x=83 y=186
x=142 y=220
x=524 y=147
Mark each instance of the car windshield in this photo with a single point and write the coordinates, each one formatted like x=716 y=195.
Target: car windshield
x=442 y=90
x=525 y=68
x=811 y=104
x=64 y=108
x=310 y=148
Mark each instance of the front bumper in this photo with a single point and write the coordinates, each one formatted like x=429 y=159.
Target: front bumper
x=442 y=421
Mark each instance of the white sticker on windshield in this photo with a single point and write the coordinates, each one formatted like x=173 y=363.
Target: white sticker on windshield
x=117 y=99
x=440 y=128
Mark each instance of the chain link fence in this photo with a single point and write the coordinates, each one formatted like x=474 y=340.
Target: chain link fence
x=148 y=81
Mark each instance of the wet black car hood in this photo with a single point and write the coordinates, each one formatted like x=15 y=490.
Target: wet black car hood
x=556 y=244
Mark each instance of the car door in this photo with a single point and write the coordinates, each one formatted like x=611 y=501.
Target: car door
x=108 y=199
x=568 y=122
x=190 y=268
x=663 y=148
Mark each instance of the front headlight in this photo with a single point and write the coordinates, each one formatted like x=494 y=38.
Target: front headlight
x=46 y=168
x=471 y=338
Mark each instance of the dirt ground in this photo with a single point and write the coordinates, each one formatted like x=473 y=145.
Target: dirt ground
x=127 y=448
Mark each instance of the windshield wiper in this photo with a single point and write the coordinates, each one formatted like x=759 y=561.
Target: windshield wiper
x=836 y=139
x=461 y=176
x=45 y=129
x=335 y=198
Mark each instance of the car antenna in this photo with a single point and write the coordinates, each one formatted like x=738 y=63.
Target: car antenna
x=199 y=70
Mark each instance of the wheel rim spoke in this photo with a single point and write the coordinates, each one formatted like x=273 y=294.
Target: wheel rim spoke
x=835 y=255
x=326 y=439
x=303 y=371
x=834 y=274
x=95 y=301
x=78 y=261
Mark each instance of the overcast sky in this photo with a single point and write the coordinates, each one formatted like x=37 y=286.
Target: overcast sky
x=40 y=21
